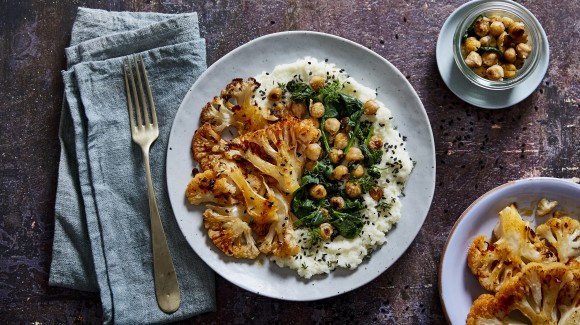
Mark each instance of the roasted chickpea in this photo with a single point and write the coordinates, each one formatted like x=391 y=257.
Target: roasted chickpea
x=488 y=41
x=315 y=122
x=481 y=27
x=354 y=154
x=318 y=191
x=352 y=189
x=493 y=18
x=275 y=94
x=336 y=155
x=496 y=28
x=473 y=59
x=480 y=71
x=509 y=70
x=339 y=172
x=325 y=230
x=495 y=72
x=510 y=55
x=489 y=58
x=358 y=171
x=341 y=140
x=332 y=125
x=337 y=202
x=298 y=109
x=375 y=142
x=516 y=30
x=371 y=107
x=471 y=44
x=317 y=110
x=312 y=151
x=376 y=193
x=507 y=21
x=317 y=83
x=310 y=164
x=523 y=50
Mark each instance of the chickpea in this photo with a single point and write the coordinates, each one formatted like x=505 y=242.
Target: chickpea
x=339 y=172
x=337 y=202
x=336 y=155
x=275 y=94
x=473 y=59
x=354 y=154
x=481 y=27
x=493 y=18
x=495 y=72
x=312 y=151
x=332 y=125
x=318 y=191
x=472 y=44
x=341 y=140
x=510 y=55
x=496 y=28
x=315 y=122
x=489 y=58
x=371 y=107
x=509 y=70
x=516 y=30
x=358 y=172
x=317 y=110
x=375 y=143
x=325 y=230
x=352 y=189
x=488 y=41
x=310 y=164
x=480 y=71
x=376 y=193
x=317 y=83
x=507 y=21
x=523 y=50
x=298 y=109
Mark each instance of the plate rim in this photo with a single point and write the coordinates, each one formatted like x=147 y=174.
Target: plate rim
x=459 y=220
x=431 y=161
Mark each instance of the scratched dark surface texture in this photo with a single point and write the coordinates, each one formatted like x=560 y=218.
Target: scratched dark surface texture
x=476 y=149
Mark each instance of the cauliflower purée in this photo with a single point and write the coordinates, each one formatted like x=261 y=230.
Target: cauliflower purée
x=378 y=217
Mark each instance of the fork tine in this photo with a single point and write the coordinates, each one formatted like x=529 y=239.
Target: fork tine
x=129 y=100
x=151 y=103
x=141 y=91
x=135 y=95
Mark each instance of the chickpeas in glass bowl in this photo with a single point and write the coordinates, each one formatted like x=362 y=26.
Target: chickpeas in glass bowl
x=497 y=45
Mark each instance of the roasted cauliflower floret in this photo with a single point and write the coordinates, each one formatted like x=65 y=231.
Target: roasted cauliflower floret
x=207 y=146
x=564 y=235
x=211 y=187
x=545 y=206
x=280 y=239
x=494 y=263
x=230 y=234
x=273 y=150
x=537 y=293
x=246 y=112
x=219 y=114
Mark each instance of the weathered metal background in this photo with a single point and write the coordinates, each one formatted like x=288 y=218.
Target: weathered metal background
x=477 y=149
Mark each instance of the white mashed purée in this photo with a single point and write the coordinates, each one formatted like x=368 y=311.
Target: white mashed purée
x=396 y=165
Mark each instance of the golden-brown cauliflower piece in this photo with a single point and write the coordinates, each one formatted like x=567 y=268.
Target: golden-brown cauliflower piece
x=280 y=240
x=494 y=263
x=211 y=187
x=207 y=146
x=274 y=150
x=538 y=292
x=230 y=234
x=219 y=114
x=545 y=206
x=563 y=234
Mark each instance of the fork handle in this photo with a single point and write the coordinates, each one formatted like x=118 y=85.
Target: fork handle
x=166 y=285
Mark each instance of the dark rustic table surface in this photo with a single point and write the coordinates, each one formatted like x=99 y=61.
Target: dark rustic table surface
x=477 y=149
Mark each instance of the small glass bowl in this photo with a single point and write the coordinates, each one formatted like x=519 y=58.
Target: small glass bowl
x=505 y=9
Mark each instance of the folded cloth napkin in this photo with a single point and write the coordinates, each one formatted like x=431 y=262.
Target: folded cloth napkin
x=102 y=230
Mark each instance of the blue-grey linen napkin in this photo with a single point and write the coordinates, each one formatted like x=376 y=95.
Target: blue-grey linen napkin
x=102 y=230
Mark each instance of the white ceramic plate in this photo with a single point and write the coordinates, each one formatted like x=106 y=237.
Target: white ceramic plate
x=458 y=288
x=263 y=54
x=465 y=89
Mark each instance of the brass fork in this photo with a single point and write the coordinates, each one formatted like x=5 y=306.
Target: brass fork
x=144 y=131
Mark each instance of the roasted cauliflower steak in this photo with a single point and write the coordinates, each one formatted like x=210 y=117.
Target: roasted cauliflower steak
x=563 y=234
